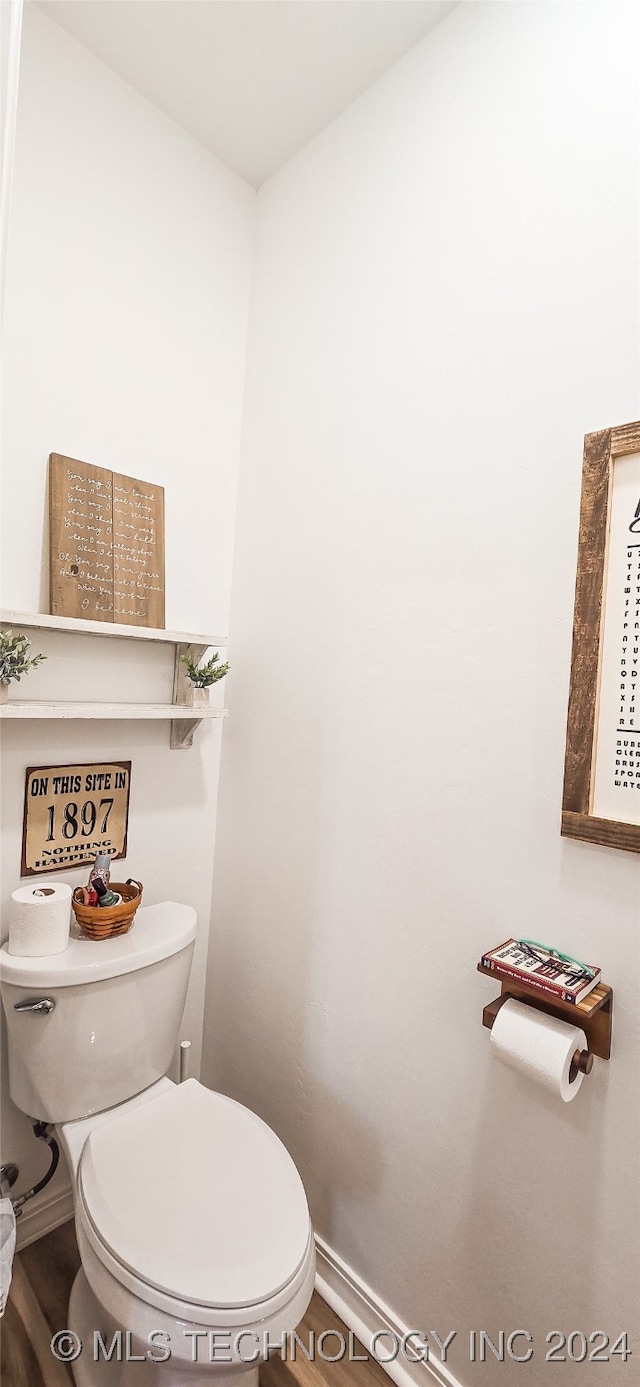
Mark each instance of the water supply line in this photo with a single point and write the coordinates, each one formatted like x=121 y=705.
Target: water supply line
x=44 y=1132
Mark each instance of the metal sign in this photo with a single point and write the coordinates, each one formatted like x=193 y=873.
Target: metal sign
x=73 y=812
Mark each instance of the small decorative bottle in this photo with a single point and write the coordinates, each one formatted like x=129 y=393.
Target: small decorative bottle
x=101 y=868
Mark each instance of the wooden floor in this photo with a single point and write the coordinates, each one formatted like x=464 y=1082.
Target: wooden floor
x=42 y=1277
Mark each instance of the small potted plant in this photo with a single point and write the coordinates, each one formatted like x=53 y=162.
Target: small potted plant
x=14 y=660
x=201 y=677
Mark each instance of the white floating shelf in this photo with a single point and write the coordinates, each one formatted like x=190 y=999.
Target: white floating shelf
x=75 y=625
x=183 y=717
x=16 y=708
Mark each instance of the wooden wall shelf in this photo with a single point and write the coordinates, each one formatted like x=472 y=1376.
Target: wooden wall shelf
x=20 y=708
x=40 y=621
x=593 y=1014
x=183 y=718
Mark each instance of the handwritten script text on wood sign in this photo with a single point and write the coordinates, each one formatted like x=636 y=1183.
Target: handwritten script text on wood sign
x=106 y=535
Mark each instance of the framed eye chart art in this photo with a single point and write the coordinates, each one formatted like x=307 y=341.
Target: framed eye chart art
x=601 y=800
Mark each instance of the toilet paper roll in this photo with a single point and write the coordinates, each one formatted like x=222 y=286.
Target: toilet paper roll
x=39 y=920
x=539 y=1046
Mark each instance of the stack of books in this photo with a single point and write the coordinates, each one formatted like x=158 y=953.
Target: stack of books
x=535 y=966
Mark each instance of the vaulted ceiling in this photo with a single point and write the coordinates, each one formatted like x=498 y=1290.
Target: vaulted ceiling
x=253 y=80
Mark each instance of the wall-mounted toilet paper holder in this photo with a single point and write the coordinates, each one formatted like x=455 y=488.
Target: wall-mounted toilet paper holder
x=593 y=1015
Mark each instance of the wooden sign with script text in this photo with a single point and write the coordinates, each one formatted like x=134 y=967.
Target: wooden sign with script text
x=106 y=535
x=71 y=813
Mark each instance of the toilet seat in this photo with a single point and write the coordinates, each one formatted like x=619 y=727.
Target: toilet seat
x=196 y=1207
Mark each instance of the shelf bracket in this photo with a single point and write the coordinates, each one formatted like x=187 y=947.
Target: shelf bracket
x=182 y=730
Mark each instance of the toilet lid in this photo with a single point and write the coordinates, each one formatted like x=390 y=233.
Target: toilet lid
x=196 y=1196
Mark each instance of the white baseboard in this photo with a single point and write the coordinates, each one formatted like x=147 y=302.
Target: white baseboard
x=364 y=1313
x=341 y=1287
x=41 y=1215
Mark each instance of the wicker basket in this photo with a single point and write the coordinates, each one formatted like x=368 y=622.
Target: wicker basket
x=102 y=922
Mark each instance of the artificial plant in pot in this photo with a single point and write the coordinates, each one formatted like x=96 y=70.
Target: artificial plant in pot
x=15 y=660
x=201 y=677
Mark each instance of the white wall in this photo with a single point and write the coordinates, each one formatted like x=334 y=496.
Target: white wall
x=445 y=300
x=126 y=311
x=10 y=36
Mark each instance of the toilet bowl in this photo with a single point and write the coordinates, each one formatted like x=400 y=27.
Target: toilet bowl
x=196 y=1245
x=194 y=1235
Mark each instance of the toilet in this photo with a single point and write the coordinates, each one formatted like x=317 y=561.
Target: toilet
x=192 y=1222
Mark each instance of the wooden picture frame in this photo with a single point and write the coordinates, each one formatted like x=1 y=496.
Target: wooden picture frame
x=607 y=606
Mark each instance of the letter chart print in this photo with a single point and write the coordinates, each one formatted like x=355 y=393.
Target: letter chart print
x=616 y=778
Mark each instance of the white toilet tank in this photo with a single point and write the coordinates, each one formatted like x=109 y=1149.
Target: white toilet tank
x=114 y=1024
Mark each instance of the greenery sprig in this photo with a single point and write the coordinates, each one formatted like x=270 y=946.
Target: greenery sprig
x=204 y=675
x=14 y=657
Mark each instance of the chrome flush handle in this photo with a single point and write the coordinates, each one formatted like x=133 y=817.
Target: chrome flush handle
x=41 y=1006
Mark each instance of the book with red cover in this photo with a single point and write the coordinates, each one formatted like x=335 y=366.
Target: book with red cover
x=536 y=967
